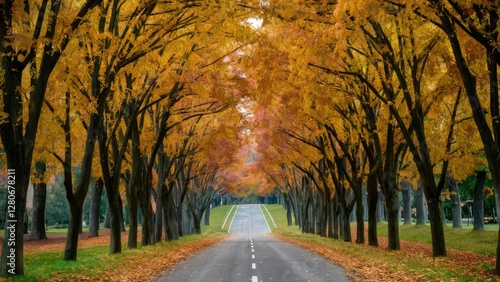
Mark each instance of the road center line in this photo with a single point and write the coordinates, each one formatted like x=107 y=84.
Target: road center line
x=254 y=266
x=254 y=279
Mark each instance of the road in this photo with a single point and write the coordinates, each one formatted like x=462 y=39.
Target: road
x=251 y=255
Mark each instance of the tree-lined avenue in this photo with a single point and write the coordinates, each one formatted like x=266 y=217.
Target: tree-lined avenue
x=342 y=111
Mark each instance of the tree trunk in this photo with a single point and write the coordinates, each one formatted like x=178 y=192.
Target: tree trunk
x=372 y=191
x=360 y=223
x=479 y=200
x=288 y=210
x=206 y=216
x=159 y=215
x=180 y=216
x=406 y=193
x=38 y=216
x=456 y=206
x=197 y=224
x=94 y=209
x=115 y=245
x=170 y=217
x=334 y=218
x=311 y=211
x=132 y=217
x=443 y=215
x=381 y=208
x=328 y=219
x=319 y=230
x=187 y=219
x=120 y=213
x=146 y=211
x=107 y=222
x=305 y=217
x=437 y=228
x=133 y=186
x=139 y=216
x=39 y=198
x=132 y=229
x=297 y=211
x=420 y=199
x=347 y=225
x=325 y=220
x=75 y=222
x=392 y=207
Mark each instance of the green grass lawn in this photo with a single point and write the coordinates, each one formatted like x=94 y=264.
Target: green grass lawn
x=96 y=261
x=422 y=268
x=481 y=242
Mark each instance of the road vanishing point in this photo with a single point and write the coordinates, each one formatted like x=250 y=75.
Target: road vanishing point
x=250 y=255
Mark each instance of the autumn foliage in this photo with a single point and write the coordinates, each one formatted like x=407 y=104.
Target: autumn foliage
x=172 y=104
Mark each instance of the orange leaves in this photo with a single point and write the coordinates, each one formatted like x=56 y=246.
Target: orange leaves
x=488 y=192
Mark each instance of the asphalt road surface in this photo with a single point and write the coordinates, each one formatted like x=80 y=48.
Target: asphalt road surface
x=251 y=255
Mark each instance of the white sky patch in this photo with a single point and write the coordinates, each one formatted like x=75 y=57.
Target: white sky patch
x=245 y=105
x=255 y=22
x=245 y=109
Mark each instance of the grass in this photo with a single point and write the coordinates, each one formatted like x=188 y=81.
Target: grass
x=279 y=215
x=224 y=216
x=267 y=216
x=381 y=264
x=481 y=242
x=94 y=263
x=487 y=227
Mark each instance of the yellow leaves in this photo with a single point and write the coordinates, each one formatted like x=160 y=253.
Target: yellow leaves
x=147 y=140
x=488 y=192
x=3 y=117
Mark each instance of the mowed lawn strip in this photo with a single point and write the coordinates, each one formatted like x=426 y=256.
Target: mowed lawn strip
x=144 y=263
x=471 y=253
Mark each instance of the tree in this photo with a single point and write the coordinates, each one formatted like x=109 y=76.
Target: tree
x=19 y=48
x=203 y=190
x=479 y=20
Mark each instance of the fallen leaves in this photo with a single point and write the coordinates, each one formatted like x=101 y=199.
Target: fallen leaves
x=141 y=269
x=145 y=265
x=360 y=268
